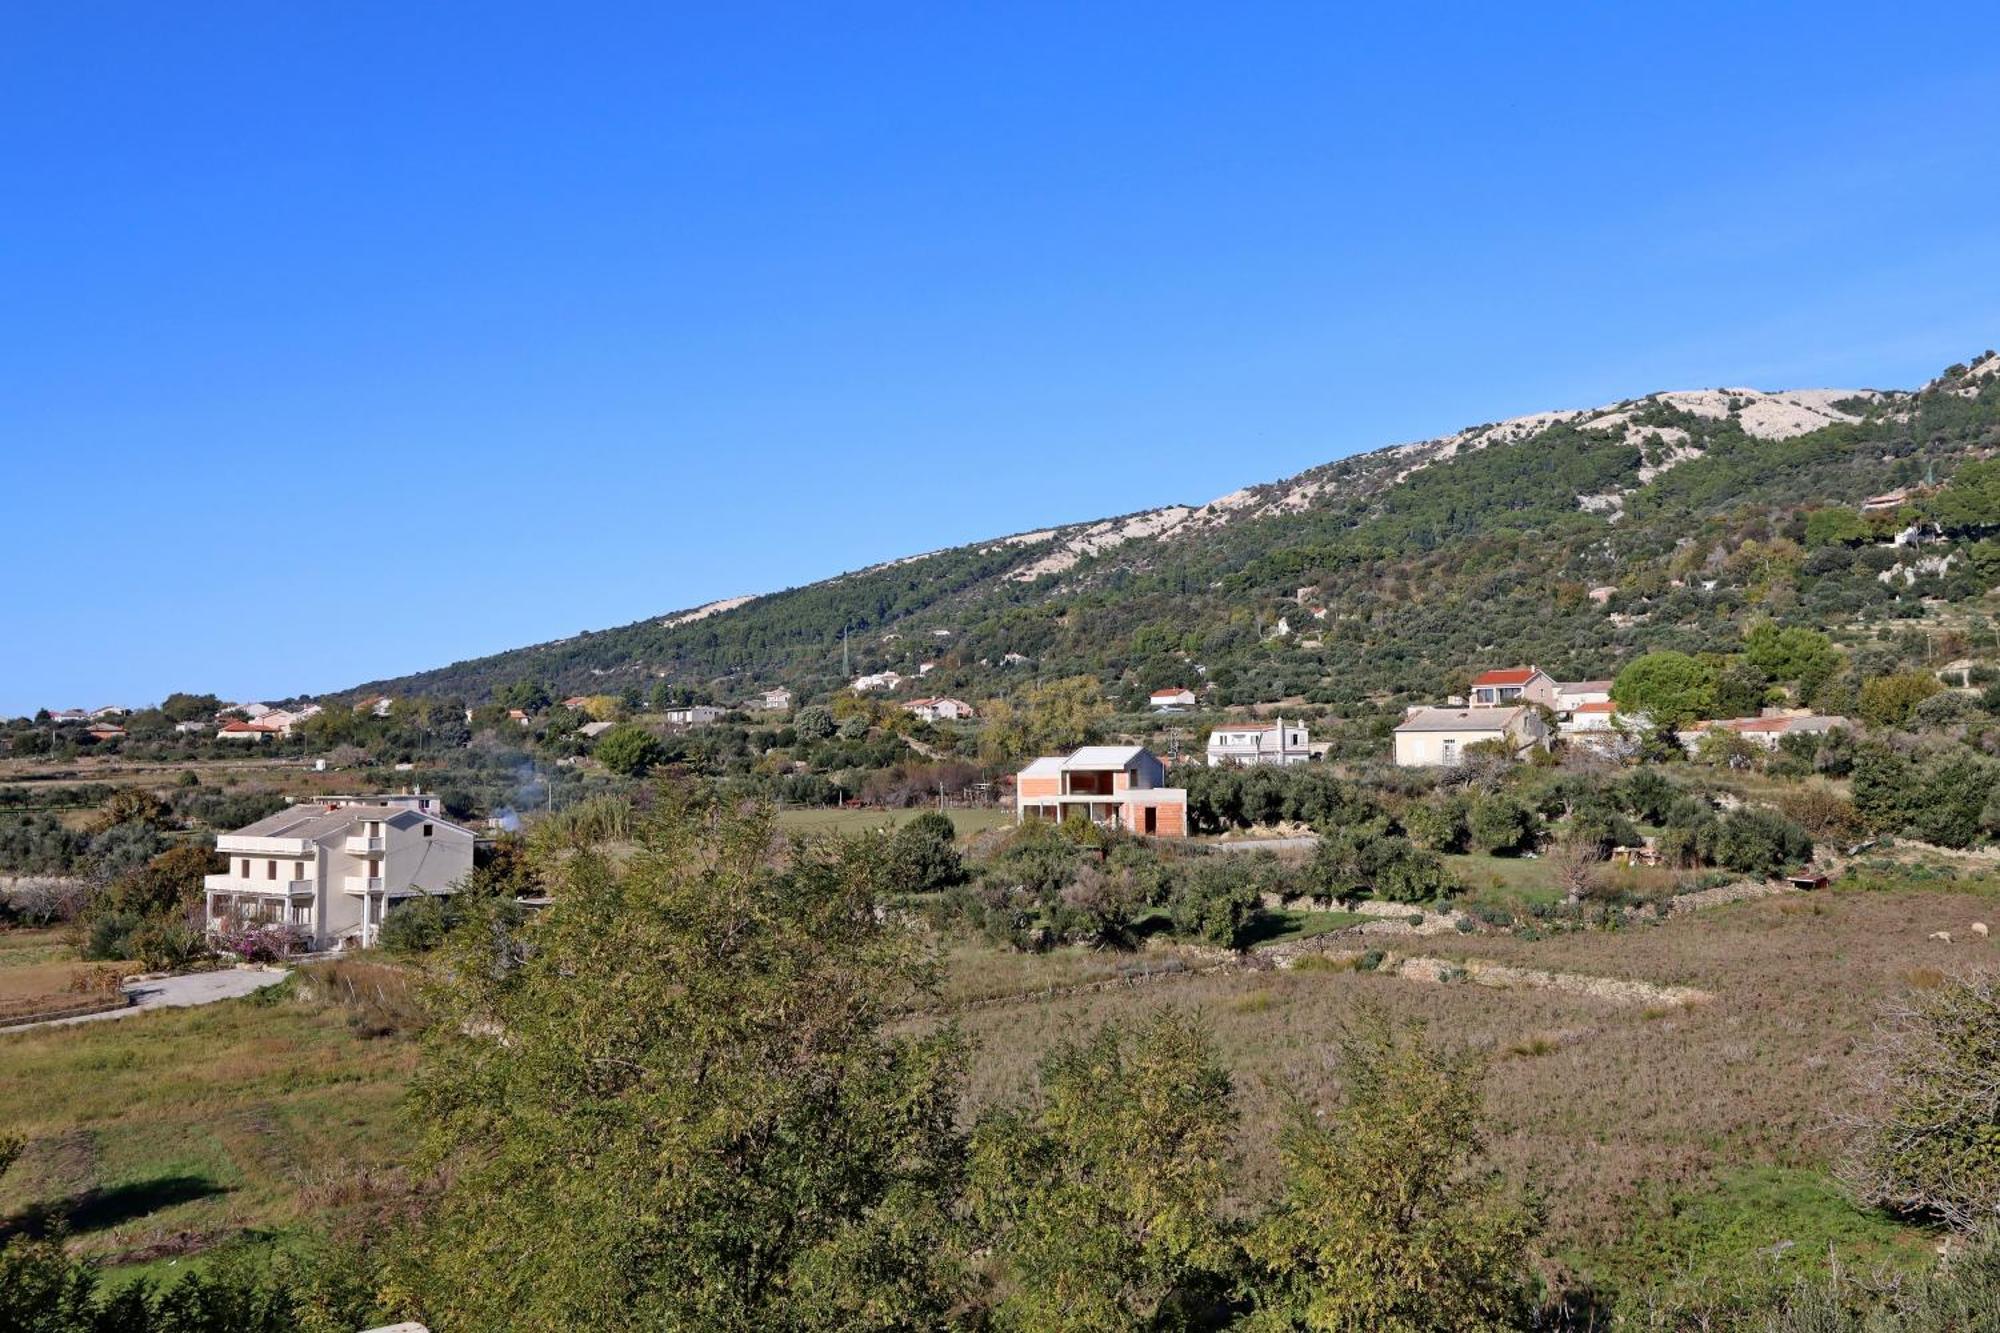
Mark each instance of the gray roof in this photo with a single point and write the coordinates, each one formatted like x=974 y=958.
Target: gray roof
x=312 y=822
x=1104 y=756
x=1460 y=719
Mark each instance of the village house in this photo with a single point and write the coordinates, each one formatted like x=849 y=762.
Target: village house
x=577 y=703
x=1116 y=786
x=1236 y=745
x=1439 y=737
x=1513 y=685
x=333 y=869
x=247 y=731
x=877 y=680
x=692 y=715
x=109 y=710
x=1574 y=694
x=379 y=706
x=1886 y=502
x=1171 y=700
x=1764 y=732
x=592 y=730
x=63 y=716
x=105 y=731
x=940 y=710
x=776 y=700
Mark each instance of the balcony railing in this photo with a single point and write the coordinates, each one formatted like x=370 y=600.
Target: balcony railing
x=360 y=846
x=362 y=883
x=291 y=888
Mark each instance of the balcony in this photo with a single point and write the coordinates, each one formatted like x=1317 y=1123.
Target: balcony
x=290 y=888
x=360 y=846
x=362 y=884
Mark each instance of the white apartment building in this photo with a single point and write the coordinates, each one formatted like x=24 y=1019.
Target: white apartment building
x=1239 y=746
x=333 y=868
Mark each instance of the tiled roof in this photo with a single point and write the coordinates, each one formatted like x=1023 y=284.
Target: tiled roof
x=1508 y=676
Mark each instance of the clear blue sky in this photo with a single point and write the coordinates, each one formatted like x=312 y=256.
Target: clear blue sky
x=345 y=340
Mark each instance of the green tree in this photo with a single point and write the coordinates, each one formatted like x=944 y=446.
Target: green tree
x=1436 y=824
x=674 y=1088
x=1102 y=1194
x=629 y=749
x=1972 y=498
x=1046 y=718
x=814 y=723
x=170 y=883
x=1888 y=701
x=1389 y=1221
x=1669 y=687
x=1835 y=527
x=1499 y=824
x=530 y=696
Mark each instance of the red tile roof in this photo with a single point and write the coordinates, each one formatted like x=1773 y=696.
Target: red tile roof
x=1606 y=707
x=1510 y=676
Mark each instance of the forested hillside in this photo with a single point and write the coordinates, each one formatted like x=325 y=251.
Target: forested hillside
x=1572 y=539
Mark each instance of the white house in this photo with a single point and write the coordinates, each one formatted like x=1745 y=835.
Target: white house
x=941 y=710
x=1235 y=745
x=693 y=715
x=1764 y=732
x=332 y=869
x=1574 y=694
x=877 y=680
x=1439 y=737
x=1171 y=700
x=775 y=700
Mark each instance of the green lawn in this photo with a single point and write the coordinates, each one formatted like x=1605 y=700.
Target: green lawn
x=833 y=820
x=1505 y=880
x=165 y=1134
x=1277 y=927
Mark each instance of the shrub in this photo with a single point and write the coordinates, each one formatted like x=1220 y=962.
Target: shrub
x=1389 y=1218
x=1931 y=1148
x=110 y=936
x=1500 y=824
x=1437 y=825
x=1214 y=904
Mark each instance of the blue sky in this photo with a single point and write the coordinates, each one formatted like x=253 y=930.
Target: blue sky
x=346 y=340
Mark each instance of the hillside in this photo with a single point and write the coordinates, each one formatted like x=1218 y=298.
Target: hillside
x=1383 y=573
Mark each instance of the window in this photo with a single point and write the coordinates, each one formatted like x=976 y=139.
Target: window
x=270 y=870
x=1450 y=750
x=427 y=830
x=245 y=868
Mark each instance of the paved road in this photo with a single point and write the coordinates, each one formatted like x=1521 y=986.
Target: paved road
x=177 y=993
x=1305 y=842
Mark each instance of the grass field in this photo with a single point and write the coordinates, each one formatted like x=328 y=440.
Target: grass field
x=1625 y=1119
x=833 y=820
x=1695 y=1140
x=1505 y=880
x=161 y=1135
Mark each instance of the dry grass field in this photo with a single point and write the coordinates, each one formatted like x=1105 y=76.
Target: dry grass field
x=1629 y=1121
x=1696 y=1139
x=816 y=819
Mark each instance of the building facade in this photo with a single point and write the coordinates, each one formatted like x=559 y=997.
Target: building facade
x=1440 y=737
x=1243 y=746
x=333 y=869
x=1116 y=786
